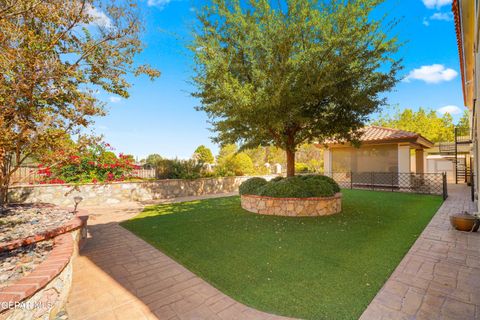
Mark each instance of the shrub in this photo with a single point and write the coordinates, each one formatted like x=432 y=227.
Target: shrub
x=276 y=179
x=179 y=169
x=329 y=180
x=239 y=164
x=95 y=164
x=293 y=187
x=287 y=188
x=251 y=185
x=301 y=167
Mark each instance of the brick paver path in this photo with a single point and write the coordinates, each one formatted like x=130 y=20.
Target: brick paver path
x=439 y=278
x=119 y=276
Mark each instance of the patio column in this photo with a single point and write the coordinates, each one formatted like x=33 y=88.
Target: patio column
x=327 y=161
x=403 y=166
x=419 y=161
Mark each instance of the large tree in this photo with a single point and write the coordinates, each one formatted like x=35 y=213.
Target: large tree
x=54 y=57
x=291 y=72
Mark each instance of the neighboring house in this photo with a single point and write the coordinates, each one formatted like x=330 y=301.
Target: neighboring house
x=381 y=150
x=467 y=24
x=443 y=157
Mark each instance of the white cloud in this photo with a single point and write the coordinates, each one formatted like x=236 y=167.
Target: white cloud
x=436 y=4
x=114 y=99
x=451 y=109
x=431 y=74
x=158 y=3
x=442 y=16
x=98 y=17
x=438 y=16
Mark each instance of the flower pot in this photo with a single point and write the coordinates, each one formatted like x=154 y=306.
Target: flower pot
x=464 y=222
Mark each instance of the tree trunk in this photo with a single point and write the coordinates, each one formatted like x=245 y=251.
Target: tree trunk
x=4 y=180
x=290 y=162
x=3 y=196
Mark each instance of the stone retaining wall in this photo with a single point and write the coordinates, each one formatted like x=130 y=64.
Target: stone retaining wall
x=294 y=207
x=43 y=293
x=113 y=193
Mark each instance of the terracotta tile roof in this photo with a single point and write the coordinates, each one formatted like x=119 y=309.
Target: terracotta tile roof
x=382 y=134
x=458 y=30
x=377 y=133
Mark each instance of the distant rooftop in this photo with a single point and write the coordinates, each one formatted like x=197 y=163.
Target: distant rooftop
x=377 y=134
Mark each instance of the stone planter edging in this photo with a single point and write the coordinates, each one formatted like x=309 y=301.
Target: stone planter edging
x=293 y=207
x=79 y=221
x=45 y=272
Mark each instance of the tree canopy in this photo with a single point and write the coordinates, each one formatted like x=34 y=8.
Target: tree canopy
x=54 y=56
x=204 y=154
x=153 y=160
x=427 y=122
x=294 y=72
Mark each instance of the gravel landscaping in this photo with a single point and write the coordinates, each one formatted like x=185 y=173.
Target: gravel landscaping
x=18 y=263
x=21 y=221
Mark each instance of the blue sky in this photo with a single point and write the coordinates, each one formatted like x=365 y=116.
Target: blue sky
x=159 y=117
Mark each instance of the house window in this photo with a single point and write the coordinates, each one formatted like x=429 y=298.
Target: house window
x=379 y=158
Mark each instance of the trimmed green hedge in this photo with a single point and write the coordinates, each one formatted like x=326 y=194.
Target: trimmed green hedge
x=292 y=187
x=251 y=185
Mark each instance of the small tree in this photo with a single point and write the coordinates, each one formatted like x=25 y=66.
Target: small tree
x=153 y=160
x=464 y=122
x=239 y=165
x=54 y=56
x=204 y=155
x=299 y=71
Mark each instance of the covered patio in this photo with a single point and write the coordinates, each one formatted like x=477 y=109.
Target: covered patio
x=386 y=158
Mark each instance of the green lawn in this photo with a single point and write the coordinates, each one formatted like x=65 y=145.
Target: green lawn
x=315 y=268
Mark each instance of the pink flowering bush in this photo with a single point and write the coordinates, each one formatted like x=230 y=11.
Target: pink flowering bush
x=97 y=164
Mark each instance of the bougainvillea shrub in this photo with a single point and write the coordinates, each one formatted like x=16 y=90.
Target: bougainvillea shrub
x=96 y=165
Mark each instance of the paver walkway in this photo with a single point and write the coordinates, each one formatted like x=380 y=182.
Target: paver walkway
x=439 y=278
x=119 y=276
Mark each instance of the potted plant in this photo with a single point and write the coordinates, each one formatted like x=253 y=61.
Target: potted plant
x=465 y=221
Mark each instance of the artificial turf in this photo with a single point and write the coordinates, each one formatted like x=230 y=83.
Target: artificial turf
x=309 y=268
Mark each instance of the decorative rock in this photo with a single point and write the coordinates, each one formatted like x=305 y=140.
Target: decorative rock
x=299 y=207
x=21 y=221
x=21 y=261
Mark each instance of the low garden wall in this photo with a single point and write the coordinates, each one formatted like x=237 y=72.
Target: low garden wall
x=293 y=207
x=43 y=293
x=118 y=192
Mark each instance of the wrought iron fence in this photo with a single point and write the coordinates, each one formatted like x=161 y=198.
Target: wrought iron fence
x=424 y=183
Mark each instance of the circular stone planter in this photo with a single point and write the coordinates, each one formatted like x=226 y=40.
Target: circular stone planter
x=293 y=207
x=43 y=292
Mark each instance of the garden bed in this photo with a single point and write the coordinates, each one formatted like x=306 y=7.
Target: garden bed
x=19 y=262
x=25 y=220
x=36 y=251
x=24 y=224
x=293 y=207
